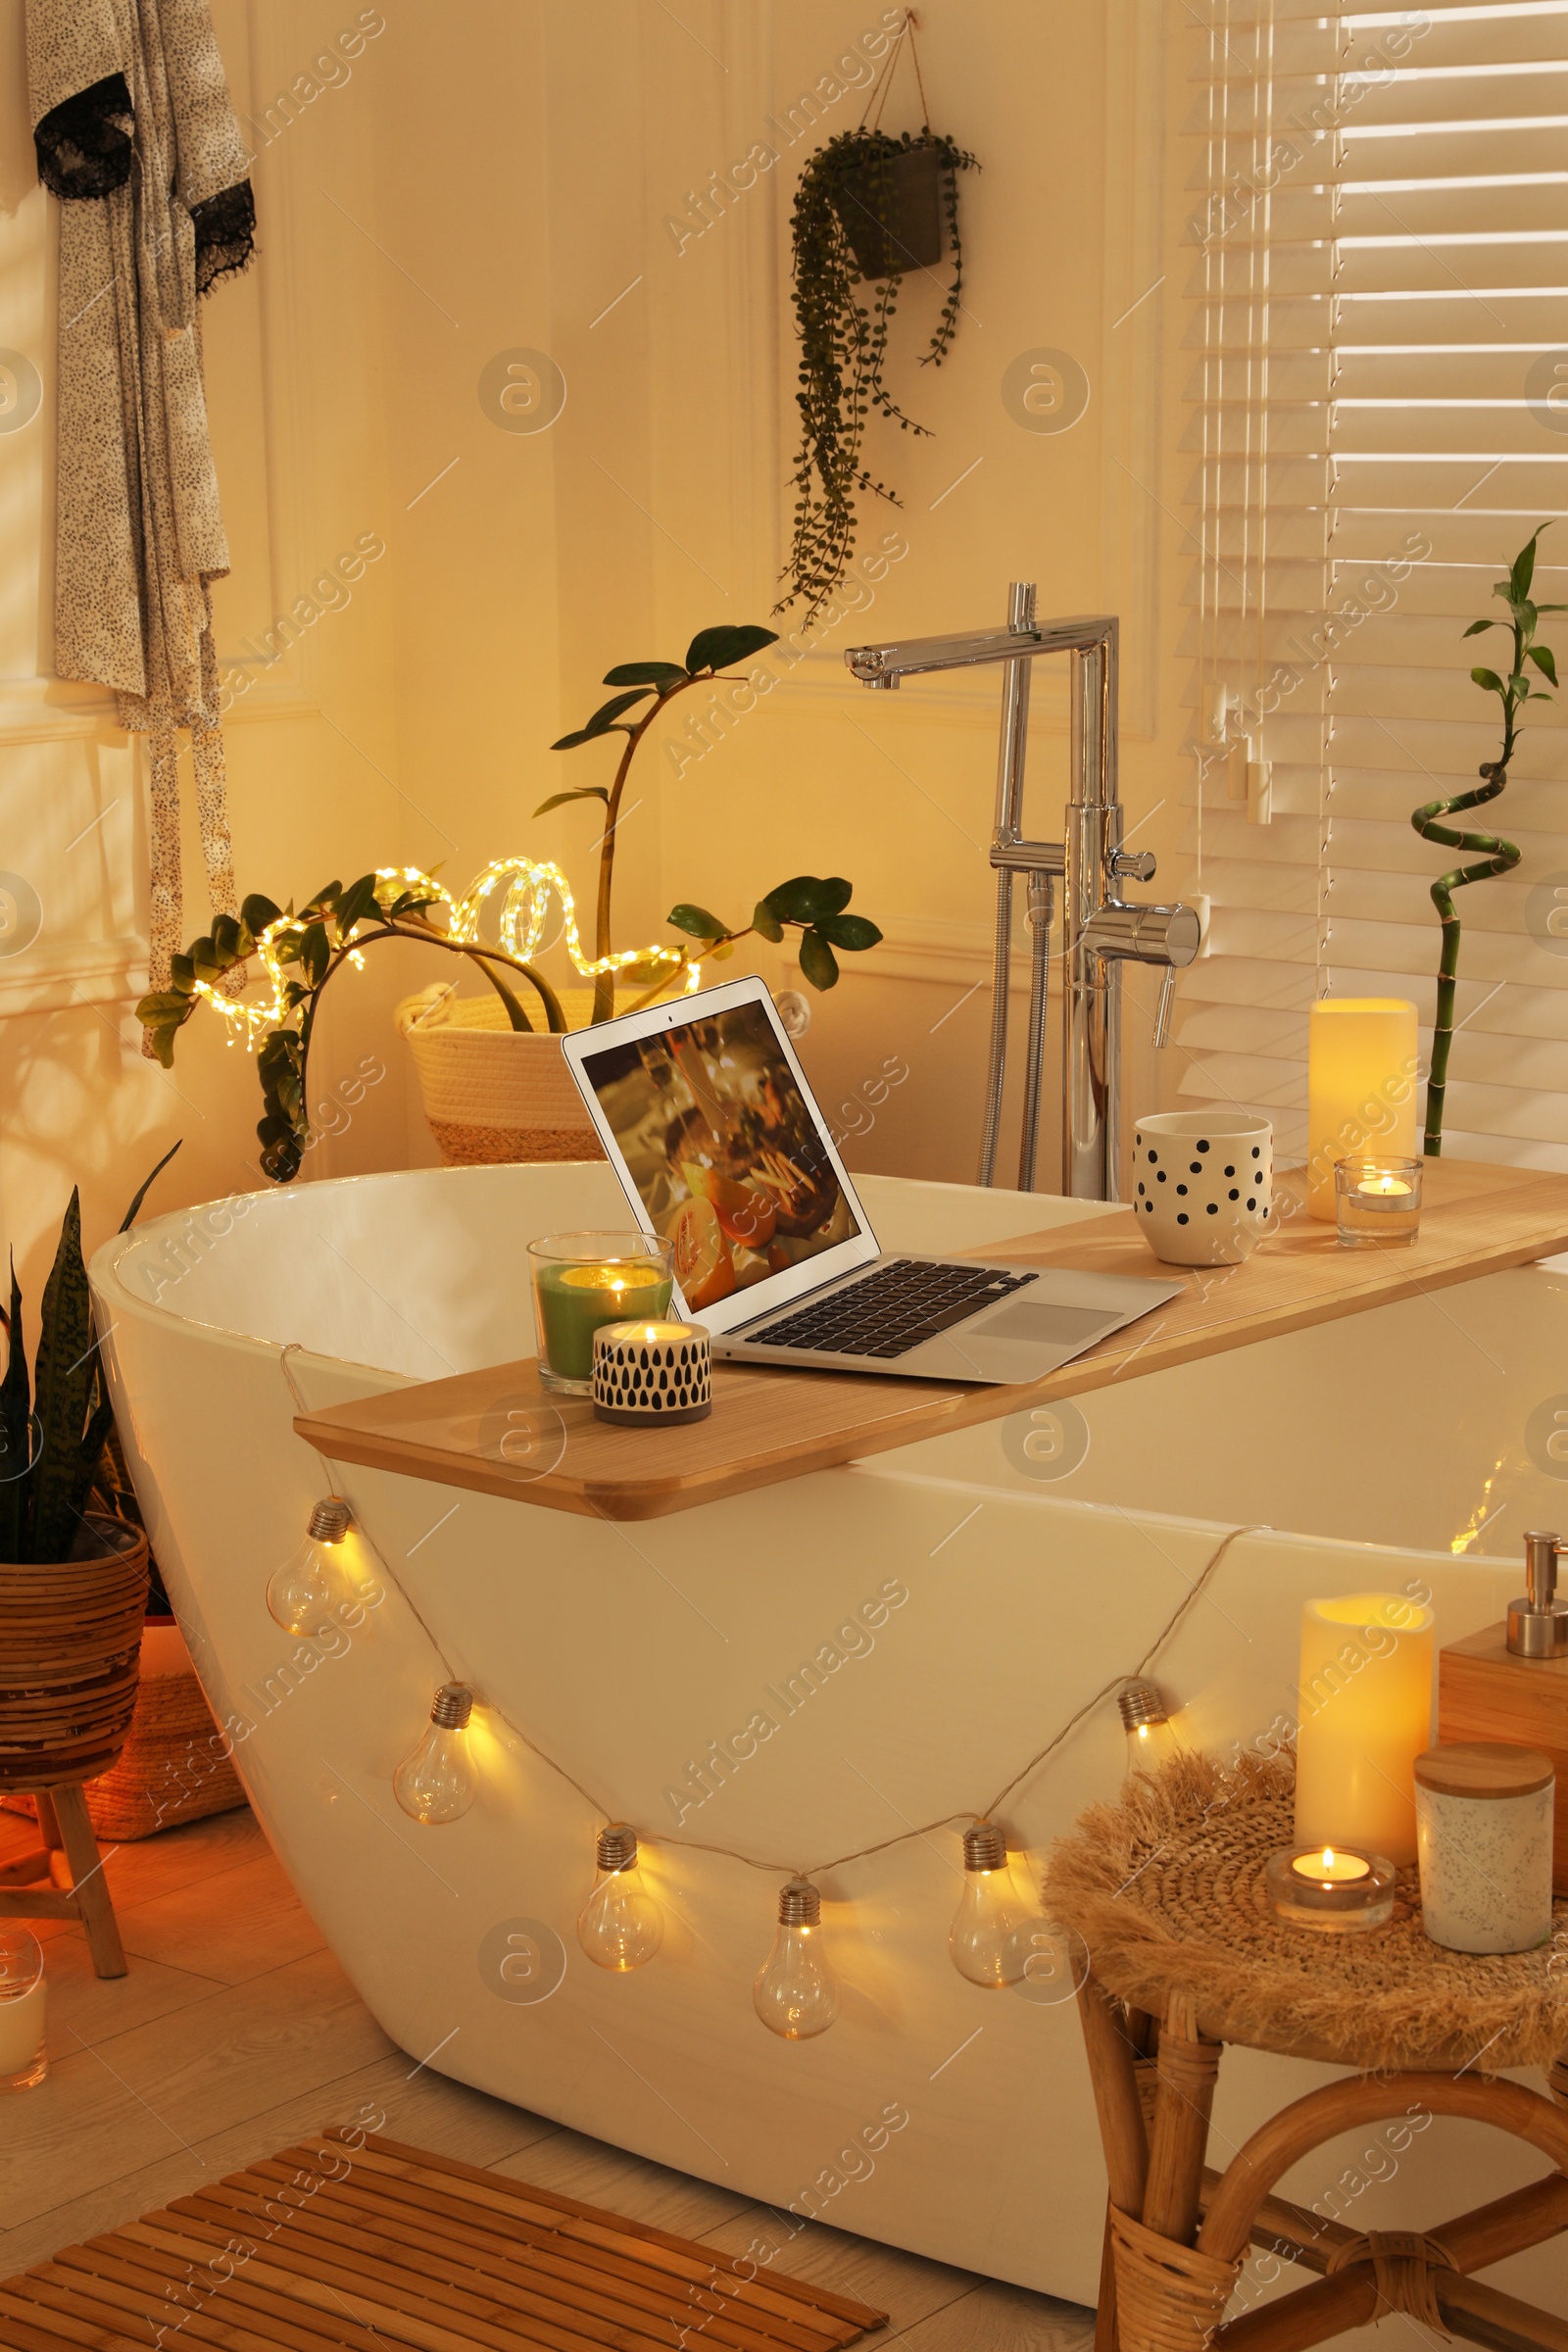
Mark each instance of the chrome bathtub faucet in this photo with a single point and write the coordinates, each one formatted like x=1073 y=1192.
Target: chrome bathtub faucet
x=1102 y=930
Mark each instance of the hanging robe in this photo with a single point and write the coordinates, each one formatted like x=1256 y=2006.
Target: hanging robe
x=135 y=136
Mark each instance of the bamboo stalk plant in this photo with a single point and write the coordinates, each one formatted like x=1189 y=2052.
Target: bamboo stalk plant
x=1493 y=854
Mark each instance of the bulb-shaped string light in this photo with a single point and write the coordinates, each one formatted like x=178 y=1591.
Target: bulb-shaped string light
x=620 y=1926
x=796 y=1993
x=990 y=1937
x=1150 y=1739
x=328 y=1579
x=438 y=1782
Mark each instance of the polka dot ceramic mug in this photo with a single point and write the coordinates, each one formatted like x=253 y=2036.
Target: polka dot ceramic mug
x=1203 y=1185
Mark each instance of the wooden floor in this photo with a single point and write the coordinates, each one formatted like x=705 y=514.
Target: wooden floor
x=236 y=2030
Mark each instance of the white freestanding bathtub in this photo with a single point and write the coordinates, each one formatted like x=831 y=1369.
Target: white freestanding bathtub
x=960 y=1600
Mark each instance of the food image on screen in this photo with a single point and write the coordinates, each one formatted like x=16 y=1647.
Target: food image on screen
x=723 y=1151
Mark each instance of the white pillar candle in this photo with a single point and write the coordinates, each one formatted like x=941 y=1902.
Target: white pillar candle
x=1485 y=1820
x=1365 y=1716
x=23 y=2033
x=1361 y=1064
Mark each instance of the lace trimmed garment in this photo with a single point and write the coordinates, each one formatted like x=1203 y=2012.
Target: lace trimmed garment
x=137 y=136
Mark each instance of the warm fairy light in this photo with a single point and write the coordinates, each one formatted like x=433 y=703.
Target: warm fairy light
x=524 y=905
x=1332 y=1869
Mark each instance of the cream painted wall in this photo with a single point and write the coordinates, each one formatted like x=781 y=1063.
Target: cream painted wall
x=504 y=176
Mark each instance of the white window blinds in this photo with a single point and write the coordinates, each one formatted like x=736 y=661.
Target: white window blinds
x=1376 y=420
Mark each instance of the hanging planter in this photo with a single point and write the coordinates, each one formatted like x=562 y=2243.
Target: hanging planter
x=893 y=204
x=869 y=209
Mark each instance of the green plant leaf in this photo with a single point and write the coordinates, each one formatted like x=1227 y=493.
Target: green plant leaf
x=181 y=975
x=604 y=715
x=228 y=937
x=165 y=1004
x=807 y=896
x=145 y=1187
x=717 y=647
x=763 y=920
x=63 y=1377
x=1487 y=679
x=662 y=674
x=569 y=743
x=1522 y=569
x=818 y=962
x=696 y=922
x=15 y=1434
x=357 y=904
x=1545 y=660
x=315 y=953
x=256 y=913
x=1475 y=627
x=558 y=799
x=323 y=899
x=855 y=932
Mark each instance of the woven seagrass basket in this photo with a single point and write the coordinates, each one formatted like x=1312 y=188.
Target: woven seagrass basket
x=70 y=1639
x=493 y=1092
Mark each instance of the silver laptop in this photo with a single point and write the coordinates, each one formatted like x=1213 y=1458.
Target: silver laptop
x=712 y=1128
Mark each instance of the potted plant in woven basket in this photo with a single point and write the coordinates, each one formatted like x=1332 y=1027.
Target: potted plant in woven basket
x=72 y=1580
x=493 y=1095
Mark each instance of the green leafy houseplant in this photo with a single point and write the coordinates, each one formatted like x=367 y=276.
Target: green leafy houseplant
x=54 y=1429
x=305 y=952
x=1496 y=855
x=809 y=904
x=849 y=191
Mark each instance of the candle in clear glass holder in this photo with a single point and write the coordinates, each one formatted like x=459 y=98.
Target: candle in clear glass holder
x=1365 y=1716
x=1378 y=1200
x=1331 y=1888
x=24 y=2046
x=582 y=1280
x=1361 y=1066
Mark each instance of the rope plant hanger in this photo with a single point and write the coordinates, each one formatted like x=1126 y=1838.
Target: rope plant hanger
x=869 y=209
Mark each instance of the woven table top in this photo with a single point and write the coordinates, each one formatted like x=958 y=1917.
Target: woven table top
x=1166 y=1888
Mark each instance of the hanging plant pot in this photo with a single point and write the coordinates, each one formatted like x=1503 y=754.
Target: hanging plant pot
x=891 y=208
x=869 y=209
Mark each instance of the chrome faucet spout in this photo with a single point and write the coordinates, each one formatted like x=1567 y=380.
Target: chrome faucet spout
x=1101 y=930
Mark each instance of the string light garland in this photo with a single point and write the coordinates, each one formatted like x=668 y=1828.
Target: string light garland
x=527 y=886
x=795 y=1992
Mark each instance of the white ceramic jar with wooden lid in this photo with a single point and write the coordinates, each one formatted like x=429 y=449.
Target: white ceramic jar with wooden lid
x=1484 y=1823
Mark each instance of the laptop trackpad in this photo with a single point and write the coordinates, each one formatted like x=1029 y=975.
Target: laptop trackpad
x=1046 y=1326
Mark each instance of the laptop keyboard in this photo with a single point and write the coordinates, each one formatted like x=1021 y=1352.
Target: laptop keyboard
x=897 y=1308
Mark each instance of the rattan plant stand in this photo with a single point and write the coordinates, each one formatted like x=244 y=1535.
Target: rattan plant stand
x=70 y=1641
x=1166 y=1887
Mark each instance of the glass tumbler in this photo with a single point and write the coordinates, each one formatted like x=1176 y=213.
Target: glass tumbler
x=581 y=1280
x=24 y=2046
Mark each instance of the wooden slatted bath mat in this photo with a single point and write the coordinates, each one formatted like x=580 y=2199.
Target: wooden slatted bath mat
x=367 y=2242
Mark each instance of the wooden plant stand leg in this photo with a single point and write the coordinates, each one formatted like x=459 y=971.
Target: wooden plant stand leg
x=88 y=1886
x=77 y=1888
x=1114 y=2045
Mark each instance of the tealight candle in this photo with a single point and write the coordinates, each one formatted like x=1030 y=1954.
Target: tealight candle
x=1365 y=1715
x=650 y=1374
x=1378 y=1200
x=584 y=1280
x=1361 y=1066
x=1330 y=1887
x=1322 y=1862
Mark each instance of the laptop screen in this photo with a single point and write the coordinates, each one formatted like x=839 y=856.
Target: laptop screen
x=725 y=1152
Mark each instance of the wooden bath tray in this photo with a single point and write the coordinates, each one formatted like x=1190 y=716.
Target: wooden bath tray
x=499 y=1431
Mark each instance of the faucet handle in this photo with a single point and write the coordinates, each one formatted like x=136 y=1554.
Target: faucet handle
x=1132 y=866
x=1167 y=993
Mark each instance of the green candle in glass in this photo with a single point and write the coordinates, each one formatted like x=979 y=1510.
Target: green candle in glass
x=581 y=1280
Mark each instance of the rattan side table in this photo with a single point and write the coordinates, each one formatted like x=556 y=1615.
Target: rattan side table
x=1166 y=1888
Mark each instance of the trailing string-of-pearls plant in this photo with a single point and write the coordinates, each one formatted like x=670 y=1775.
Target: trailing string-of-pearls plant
x=1496 y=855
